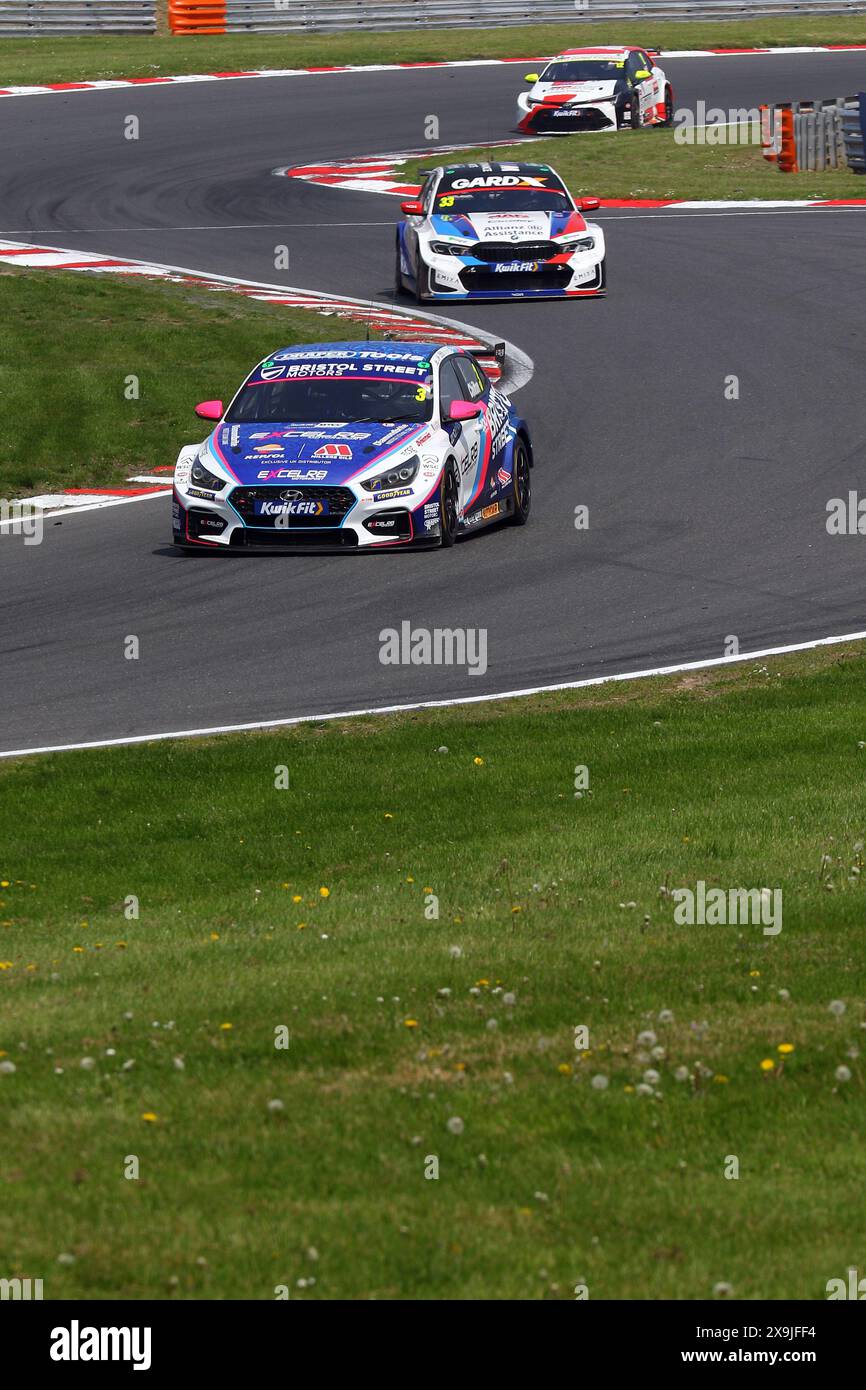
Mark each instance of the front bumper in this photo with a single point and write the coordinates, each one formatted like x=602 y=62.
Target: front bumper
x=335 y=519
x=563 y=276
x=565 y=118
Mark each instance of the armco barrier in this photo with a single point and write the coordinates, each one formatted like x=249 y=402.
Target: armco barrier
x=32 y=18
x=816 y=135
x=290 y=16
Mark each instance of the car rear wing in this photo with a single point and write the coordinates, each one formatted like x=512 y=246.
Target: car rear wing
x=491 y=358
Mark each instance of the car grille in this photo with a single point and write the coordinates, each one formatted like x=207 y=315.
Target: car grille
x=578 y=118
x=554 y=277
x=515 y=251
x=339 y=500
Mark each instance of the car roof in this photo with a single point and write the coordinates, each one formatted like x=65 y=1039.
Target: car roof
x=510 y=166
x=593 y=52
x=419 y=352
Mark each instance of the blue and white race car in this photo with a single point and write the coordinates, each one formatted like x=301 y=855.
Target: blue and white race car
x=350 y=445
x=498 y=231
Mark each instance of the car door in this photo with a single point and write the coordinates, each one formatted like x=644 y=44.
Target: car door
x=644 y=86
x=465 y=435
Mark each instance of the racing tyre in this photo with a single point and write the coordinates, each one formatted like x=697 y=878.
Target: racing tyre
x=398 y=274
x=449 y=504
x=634 y=113
x=422 y=281
x=669 y=108
x=521 y=484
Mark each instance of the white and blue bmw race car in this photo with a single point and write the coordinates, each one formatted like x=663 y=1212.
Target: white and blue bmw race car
x=498 y=231
x=350 y=445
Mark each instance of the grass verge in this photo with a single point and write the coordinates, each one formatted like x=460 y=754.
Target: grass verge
x=651 y=164
x=414 y=1037
x=78 y=59
x=75 y=341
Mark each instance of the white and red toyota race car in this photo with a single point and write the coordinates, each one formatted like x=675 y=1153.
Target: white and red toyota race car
x=596 y=89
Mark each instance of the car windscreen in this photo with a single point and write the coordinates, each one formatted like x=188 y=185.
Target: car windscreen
x=515 y=193
x=333 y=400
x=585 y=70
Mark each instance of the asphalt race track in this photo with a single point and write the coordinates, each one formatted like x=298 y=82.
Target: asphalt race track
x=707 y=516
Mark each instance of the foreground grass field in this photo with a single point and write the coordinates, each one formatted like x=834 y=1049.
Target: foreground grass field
x=77 y=59
x=76 y=341
x=651 y=164
x=413 y=1037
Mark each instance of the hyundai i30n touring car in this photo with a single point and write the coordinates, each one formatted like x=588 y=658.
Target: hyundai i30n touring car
x=596 y=89
x=498 y=231
x=354 y=445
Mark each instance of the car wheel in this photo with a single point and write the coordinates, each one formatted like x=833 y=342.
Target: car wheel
x=634 y=109
x=521 y=484
x=669 y=108
x=422 y=281
x=449 y=504
x=398 y=274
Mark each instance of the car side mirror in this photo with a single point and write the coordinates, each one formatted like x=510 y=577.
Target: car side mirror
x=531 y=77
x=413 y=207
x=588 y=204
x=641 y=74
x=465 y=410
x=209 y=410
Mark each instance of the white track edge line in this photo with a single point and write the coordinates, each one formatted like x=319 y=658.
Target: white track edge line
x=434 y=704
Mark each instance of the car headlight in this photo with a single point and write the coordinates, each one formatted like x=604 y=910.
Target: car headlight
x=451 y=248
x=578 y=243
x=398 y=476
x=202 y=477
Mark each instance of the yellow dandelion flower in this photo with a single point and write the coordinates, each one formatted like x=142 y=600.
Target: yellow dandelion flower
x=121 y=945
x=629 y=1090
x=31 y=967
x=482 y=982
x=785 y=1048
x=428 y=890
x=564 y=1069
x=721 y=1080
x=410 y=1023
x=5 y=964
x=4 y=883
x=388 y=815
x=79 y=950
x=479 y=762
x=410 y=879
x=459 y=1066
x=296 y=898
x=517 y=909
x=324 y=892
x=768 y=1064
x=214 y=936
x=226 y=1027
x=754 y=974
x=285 y=885
x=301 y=926
x=150 y=1116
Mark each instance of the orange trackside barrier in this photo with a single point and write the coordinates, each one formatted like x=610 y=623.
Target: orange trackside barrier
x=787 y=161
x=195 y=17
x=769 y=133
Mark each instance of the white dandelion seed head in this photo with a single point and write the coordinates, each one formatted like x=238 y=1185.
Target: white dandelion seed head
x=455 y=952
x=666 y=1016
x=722 y=1290
x=87 y=1063
x=455 y=1125
x=837 y=1007
x=651 y=1077
x=843 y=1073
x=681 y=1074
x=599 y=1082
x=275 y=1105
x=643 y=1090
x=647 y=1038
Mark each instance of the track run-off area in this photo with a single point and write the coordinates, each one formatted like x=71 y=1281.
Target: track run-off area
x=707 y=516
